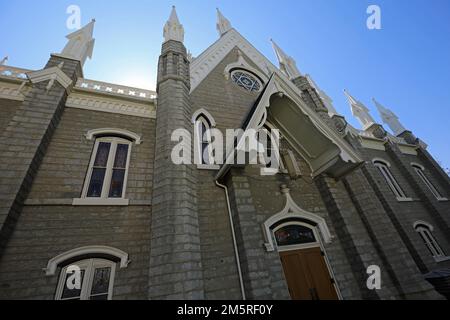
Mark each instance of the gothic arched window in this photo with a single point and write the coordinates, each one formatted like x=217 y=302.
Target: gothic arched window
x=420 y=172
x=425 y=232
x=383 y=167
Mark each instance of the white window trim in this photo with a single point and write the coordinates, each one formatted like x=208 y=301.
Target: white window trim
x=53 y=263
x=420 y=171
x=199 y=117
x=426 y=233
x=254 y=75
x=104 y=199
x=92 y=134
x=89 y=266
x=384 y=168
x=281 y=169
x=292 y=211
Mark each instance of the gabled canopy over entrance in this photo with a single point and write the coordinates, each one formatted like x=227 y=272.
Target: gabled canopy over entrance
x=322 y=148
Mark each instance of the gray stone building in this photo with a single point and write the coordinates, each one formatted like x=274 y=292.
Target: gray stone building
x=88 y=181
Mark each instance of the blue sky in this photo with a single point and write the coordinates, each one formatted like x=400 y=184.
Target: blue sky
x=405 y=65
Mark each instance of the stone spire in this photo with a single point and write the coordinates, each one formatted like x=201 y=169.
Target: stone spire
x=173 y=30
x=325 y=98
x=223 y=24
x=360 y=111
x=390 y=118
x=287 y=64
x=81 y=43
x=4 y=60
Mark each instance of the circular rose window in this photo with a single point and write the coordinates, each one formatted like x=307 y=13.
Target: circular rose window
x=246 y=80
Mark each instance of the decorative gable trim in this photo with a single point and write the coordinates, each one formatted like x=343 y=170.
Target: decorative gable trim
x=243 y=64
x=211 y=57
x=292 y=211
x=52 y=74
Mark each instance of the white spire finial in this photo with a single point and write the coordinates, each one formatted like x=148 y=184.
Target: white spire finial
x=389 y=118
x=360 y=111
x=173 y=30
x=287 y=64
x=3 y=62
x=223 y=24
x=325 y=98
x=81 y=43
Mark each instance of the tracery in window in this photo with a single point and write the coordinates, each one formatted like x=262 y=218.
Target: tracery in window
x=246 y=80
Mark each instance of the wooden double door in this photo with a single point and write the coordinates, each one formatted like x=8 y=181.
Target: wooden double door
x=307 y=275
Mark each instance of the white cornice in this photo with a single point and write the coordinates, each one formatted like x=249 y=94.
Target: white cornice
x=12 y=91
x=86 y=101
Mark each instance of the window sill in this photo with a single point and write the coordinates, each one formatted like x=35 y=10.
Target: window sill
x=100 y=202
x=208 y=167
x=405 y=199
x=442 y=199
x=441 y=259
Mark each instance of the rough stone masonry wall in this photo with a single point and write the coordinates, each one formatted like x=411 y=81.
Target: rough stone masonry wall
x=228 y=104
x=407 y=213
x=49 y=225
x=7 y=110
x=175 y=262
x=255 y=198
x=24 y=142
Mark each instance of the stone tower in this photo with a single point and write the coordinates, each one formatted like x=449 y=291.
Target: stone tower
x=175 y=259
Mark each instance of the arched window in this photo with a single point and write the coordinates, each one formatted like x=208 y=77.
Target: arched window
x=203 y=128
x=271 y=151
x=108 y=168
x=294 y=234
x=203 y=125
x=96 y=280
x=107 y=175
x=425 y=232
x=383 y=167
x=420 y=172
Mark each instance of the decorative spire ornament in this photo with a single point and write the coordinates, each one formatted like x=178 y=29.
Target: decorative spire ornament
x=4 y=60
x=287 y=63
x=389 y=118
x=81 y=43
x=360 y=111
x=173 y=30
x=223 y=24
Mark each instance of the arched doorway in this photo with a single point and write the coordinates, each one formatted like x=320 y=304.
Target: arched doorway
x=304 y=263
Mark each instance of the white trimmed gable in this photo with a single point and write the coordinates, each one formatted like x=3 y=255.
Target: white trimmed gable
x=211 y=57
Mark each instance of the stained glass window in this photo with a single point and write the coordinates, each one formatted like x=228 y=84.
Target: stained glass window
x=246 y=81
x=109 y=168
x=99 y=170
x=294 y=234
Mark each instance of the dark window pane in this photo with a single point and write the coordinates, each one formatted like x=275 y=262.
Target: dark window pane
x=96 y=184
x=71 y=294
x=294 y=234
x=121 y=156
x=100 y=283
x=117 y=180
x=101 y=159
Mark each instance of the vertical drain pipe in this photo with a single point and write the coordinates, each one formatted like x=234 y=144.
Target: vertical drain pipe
x=238 y=262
